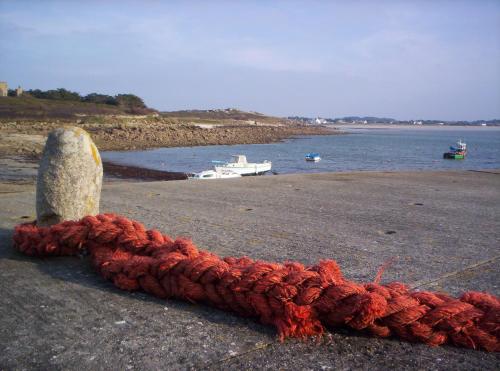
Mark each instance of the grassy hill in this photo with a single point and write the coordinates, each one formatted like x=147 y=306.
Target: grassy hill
x=26 y=107
x=220 y=115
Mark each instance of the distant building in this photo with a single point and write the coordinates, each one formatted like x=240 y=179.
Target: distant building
x=320 y=121
x=4 y=89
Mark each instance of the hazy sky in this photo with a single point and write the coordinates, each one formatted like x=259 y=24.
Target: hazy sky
x=401 y=59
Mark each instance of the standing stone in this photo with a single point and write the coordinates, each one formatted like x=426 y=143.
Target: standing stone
x=69 y=177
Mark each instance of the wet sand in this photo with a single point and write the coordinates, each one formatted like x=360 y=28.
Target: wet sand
x=115 y=171
x=22 y=170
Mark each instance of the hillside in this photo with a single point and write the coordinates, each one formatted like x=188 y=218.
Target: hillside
x=124 y=122
x=27 y=107
x=221 y=116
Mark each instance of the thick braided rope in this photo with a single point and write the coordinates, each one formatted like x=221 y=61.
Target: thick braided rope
x=298 y=300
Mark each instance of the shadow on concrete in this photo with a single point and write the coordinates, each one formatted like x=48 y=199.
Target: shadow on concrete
x=6 y=248
x=343 y=343
x=79 y=270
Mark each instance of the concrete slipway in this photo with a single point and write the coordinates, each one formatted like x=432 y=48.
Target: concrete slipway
x=442 y=227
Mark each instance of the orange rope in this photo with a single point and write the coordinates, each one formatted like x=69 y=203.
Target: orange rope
x=299 y=301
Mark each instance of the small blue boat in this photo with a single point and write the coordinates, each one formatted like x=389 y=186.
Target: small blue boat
x=314 y=157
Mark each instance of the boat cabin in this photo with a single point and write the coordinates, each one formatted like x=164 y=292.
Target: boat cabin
x=239 y=159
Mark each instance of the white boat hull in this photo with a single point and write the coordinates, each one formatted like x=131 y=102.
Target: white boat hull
x=246 y=169
x=214 y=174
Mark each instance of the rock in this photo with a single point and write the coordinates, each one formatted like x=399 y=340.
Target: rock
x=69 y=177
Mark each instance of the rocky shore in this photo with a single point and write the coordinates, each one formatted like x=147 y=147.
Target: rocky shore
x=27 y=137
x=22 y=141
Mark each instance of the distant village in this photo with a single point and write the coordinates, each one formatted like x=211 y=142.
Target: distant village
x=355 y=120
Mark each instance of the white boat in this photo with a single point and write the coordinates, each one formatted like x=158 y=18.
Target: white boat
x=213 y=174
x=239 y=165
x=313 y=157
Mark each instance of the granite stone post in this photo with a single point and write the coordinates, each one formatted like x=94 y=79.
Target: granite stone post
x=69 y=177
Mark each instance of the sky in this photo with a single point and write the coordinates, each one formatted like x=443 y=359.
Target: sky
x=399 y=59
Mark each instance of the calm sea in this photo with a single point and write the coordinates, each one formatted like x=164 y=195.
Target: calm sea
x=362 y=149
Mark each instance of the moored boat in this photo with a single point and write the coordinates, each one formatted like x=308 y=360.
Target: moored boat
x=314 y=157
x=456 y=153
x=239 y=165
x=213 y=174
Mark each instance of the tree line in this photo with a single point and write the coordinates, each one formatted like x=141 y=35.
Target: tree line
x=122 y=100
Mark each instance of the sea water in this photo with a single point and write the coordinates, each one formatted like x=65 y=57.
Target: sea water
x=386 y=149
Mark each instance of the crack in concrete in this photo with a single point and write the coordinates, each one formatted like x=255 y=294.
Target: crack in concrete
x=453 y=273
x=486 y=172
x=231 y=357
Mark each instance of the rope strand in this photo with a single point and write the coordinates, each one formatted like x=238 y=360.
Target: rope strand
x=299 y=301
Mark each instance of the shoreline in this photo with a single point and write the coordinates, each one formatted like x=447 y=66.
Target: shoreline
x=113 y=171
x=21 y=168
x=410 y=127
x=23 y=171
x=22 y=142
x=27 y=138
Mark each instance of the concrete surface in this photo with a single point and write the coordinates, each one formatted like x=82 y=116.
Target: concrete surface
x=442 y=228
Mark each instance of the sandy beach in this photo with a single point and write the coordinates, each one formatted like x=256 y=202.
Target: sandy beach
x=441 y=229
x=413 y=127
